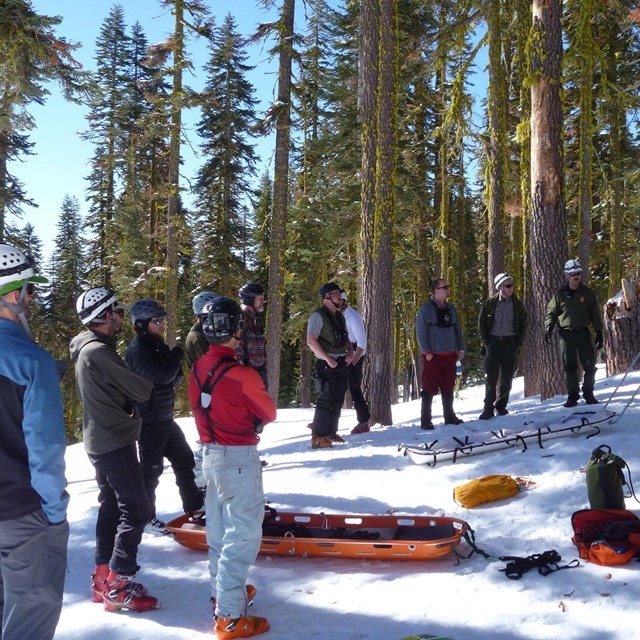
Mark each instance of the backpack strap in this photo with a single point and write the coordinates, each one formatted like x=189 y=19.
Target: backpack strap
x=207 y=387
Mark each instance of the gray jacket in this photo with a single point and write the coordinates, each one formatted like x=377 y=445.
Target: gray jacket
x=439 y=334
x=109 y=392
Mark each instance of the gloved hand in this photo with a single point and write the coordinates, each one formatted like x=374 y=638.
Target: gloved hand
x=177 y=352
x=547 y=335
x=599 y=340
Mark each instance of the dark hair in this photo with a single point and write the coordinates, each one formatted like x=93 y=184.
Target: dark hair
x=436 y=283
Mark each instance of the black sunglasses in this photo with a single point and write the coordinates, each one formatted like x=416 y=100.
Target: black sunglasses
x=507 y=286
x=444 y=286
x=157 y=320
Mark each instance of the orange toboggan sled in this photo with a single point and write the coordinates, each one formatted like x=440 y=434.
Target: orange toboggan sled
x=388 y=537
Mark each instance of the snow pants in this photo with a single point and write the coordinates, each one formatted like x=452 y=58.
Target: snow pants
x=124 y=508
x=499 y=365
x=235 y=511
x=33 y=563
x=331 y=385
x=160 y=440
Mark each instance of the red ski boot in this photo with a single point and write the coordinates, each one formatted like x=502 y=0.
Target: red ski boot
x=99 y=579
x=123 y=593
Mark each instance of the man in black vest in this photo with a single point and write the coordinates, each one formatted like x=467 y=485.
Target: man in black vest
x=328 y=339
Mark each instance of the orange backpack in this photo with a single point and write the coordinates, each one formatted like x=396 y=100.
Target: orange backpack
x=608 y=537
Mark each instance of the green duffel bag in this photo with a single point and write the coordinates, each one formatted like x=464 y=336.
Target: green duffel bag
x=605 y=479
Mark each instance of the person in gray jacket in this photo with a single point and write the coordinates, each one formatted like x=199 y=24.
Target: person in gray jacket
x=442 y=345
x=111 y=426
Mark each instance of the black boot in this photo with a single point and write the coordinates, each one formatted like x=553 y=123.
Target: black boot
x=425 y=413
x=447 y=407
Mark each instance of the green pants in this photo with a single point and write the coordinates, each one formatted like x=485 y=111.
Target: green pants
x=578 y=344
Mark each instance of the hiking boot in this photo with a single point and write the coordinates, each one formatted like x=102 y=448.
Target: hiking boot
x=362 y=427
x=454 y=420
x=320 y=442
x=99 y=579
x=502 y=412
x=487 y=414
x=251 y=594
x=337 y=439
x=123 y=593
x=156 y=527
x=427 y=426
x=310 y=425
x=571 y=401
x=589 y=398
x=242 y=627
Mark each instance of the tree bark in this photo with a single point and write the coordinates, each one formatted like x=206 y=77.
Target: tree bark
x=280 y=201
x=622 y=328
x=548 y=237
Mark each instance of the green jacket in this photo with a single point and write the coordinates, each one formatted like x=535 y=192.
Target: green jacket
x=195 y=345
x=573 y=309
x=487 y=318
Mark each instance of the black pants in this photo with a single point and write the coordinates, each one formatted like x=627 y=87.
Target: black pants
x=576 y=344
x=124 y=508
x=160 y=440
x=499 y=365
x=331 y=385
x=355 y=382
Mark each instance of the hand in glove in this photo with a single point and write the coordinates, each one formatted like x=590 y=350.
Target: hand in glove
x=547 y=335
x=599 y=340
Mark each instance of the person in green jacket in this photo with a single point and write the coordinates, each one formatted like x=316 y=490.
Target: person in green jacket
x=574 y=309
x=502 y=325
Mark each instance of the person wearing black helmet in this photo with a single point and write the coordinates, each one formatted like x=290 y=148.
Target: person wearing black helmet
x=160 y=437
x=252 y=349
x=231 y=406
x=110 y=391
x=575 y=310
x=327 y=337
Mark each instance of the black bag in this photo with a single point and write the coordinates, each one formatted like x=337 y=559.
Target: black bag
x=605 y=479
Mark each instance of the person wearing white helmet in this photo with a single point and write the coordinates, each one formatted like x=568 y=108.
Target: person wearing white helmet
x=33 y=503
x=111 y=427
x=150 y=356
x=574 y=308
x=502 y=325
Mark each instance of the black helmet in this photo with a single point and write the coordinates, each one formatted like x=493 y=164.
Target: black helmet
x=222 y=320
x=143 y=310
x=328 y=288
x=248 y=292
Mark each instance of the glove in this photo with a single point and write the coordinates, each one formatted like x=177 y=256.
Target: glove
x=599 y=340
x=547 y=335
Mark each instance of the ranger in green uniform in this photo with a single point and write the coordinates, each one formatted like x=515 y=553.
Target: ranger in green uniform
x=574 y=309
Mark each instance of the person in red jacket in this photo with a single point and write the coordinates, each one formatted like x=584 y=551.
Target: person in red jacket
x=231 y=405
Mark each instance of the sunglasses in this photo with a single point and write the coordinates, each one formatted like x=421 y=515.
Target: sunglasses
x=119 y=312
x=507 y=286
x=157 y=321
x=575 y=275
x=444 y=286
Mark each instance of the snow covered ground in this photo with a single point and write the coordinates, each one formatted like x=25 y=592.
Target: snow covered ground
x=355 y=599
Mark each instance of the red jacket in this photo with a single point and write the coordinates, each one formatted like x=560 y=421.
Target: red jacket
x=237 y=399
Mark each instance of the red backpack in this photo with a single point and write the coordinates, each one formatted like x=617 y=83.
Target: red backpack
x=607 y=537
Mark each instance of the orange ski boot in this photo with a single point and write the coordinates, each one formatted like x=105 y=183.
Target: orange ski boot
x=242 y=627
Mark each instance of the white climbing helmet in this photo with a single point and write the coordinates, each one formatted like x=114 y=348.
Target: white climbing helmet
x=500 y=278
x=572 y=266
x=92 y=304
x=15 y=268
x=201 y=300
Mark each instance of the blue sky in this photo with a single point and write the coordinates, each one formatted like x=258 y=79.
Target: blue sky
x=60 y=163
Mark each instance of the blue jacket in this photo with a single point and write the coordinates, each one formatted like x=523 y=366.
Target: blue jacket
x=32 y=433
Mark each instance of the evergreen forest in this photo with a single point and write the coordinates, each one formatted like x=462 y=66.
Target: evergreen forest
x=382 y=177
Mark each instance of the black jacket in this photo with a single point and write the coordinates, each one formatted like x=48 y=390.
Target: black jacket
x=153 y=360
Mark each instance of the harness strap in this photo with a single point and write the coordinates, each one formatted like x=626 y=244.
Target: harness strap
x=208 y=386
x=546 y=563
